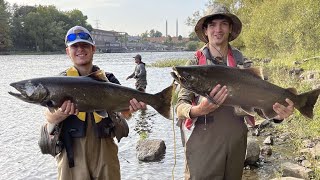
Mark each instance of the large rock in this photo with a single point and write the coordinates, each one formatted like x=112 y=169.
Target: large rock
x=150 y=150
x=314 y=151
x=294 y=170
x=253 y=151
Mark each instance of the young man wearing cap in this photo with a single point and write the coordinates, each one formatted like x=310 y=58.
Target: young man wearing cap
x=89 y=149
x=216 y=147
x=140 y=74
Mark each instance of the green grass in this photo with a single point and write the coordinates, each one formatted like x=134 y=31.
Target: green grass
x=298 y=126
x=169 y=63
x=143 y=135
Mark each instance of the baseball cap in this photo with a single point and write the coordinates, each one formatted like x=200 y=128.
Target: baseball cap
x=78 y=34
x=138 y=56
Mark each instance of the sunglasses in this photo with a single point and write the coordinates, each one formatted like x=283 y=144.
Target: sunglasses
x=81 y=35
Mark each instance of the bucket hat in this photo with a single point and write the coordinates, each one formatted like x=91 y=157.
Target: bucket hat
x=214 y=10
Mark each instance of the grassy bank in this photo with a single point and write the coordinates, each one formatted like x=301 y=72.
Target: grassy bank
x=169 y=63
x=280 y=72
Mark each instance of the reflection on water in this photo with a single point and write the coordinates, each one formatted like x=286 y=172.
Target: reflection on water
x=143 y=128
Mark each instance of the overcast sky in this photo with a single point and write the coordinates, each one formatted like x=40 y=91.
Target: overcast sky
x=131 y=16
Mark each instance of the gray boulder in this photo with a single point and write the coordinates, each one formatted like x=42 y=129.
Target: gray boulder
x=150 y=150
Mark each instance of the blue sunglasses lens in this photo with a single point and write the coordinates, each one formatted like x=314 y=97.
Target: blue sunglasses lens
x=84 y=36
x=71 y=37
x=81 y=35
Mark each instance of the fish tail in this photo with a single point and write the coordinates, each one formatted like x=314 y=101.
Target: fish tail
x=163 y=105
x=311 y=98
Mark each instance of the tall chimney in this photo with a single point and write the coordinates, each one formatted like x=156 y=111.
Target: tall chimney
x=177 y=34
x=166 y=28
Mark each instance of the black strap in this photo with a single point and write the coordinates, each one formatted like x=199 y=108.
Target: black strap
x=208 y=55
x=67 y=141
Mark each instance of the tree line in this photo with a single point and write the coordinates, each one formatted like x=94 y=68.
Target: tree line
x=36 y=28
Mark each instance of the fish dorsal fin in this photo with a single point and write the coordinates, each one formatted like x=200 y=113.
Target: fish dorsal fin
x=99 y=75
x=293 y=90
x=256 y=71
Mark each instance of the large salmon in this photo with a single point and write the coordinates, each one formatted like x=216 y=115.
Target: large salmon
x=246 y=88
x=88 y=94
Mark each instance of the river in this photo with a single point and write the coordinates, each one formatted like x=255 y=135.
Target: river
x=20 y=156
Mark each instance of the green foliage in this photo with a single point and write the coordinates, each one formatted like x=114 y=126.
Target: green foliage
x=5 y=38
x=169 y=63
x=274 y=28
x=144 y=135
x=155 y=33
x=193 y=36
x=192 y=45
x=42 y=28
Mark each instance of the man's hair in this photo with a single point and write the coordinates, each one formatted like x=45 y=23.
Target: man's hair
x=218 y=16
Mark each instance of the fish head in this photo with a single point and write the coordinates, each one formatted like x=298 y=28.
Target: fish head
x=190 y=78
x=29 y=91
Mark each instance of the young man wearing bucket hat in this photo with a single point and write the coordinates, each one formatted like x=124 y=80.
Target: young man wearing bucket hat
x=216 y=147
x=140 y=74
x=88 y=139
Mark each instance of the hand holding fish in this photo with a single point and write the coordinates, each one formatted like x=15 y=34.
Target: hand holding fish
x=135 y=105
x=283 y=111
x=67 y=108
x=212 y=102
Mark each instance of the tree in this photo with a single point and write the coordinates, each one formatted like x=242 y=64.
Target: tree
x=5 y=39
x=49 y=34
x=20 y=37
x=144 y=36
x=76 y=18
x=152 y=32
x=193 y=36
x=155 y=33
x=192 y=45
x=43 y=28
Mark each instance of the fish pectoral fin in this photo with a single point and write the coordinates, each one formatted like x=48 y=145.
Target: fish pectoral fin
x=249 y=110
x=269 y=113
x=103 y=114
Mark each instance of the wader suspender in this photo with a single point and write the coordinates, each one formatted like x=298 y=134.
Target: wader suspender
x=202 y=56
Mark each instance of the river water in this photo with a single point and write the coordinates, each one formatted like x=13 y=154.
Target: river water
x=20 y=156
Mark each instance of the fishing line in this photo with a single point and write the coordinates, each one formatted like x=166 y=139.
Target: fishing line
x=174 y=143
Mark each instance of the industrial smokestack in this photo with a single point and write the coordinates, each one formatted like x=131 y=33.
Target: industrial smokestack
x=177 y=33
x=166 y=28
